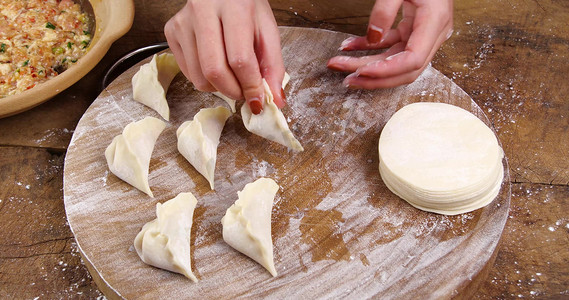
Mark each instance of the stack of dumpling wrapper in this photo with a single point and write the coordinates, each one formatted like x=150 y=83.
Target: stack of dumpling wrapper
x=440 y=158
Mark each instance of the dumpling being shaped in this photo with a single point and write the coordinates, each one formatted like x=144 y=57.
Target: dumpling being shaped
x=229 y=101
x=128 y=155
x=198 y=139
x=247 y=223
x=270 y=123
x=232 y=102
x=151 y=82
x=165 y=241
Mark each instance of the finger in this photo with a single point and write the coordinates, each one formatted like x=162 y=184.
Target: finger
x=450 y=20
x=238 y=33
x=419 y=49
x=211 y=51
x=361 y=43
x=381 y=19
x=184 y=49
x=178 y=55
x=399 y=63
x=351 y=64
x=427 y=35
x=405 y=26
x=268 y=48
x=356 y=82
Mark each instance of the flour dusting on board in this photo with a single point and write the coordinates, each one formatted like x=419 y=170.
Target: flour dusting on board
x=262 y=168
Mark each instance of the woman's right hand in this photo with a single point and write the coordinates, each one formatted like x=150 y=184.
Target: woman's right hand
x=229 y=46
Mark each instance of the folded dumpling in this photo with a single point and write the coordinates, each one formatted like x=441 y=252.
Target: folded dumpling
x=247 y=223
x=229 y=101
x=128 y=155
x=165 y=241
x=270 y=123
x=198 y=139
x=151 y=82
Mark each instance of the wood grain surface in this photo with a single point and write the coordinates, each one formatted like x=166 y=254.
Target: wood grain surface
x=509 y=56
x=337 y=230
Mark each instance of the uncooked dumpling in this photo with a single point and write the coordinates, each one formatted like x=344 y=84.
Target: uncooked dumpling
x=151 y=82
x=198 y=139
x=270 y=123
x=247 y=223
x=232 y=102
x=440 y=158
x=128 y=155
x=165 y=241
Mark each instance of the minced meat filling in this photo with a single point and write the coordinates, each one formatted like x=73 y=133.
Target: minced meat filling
x=38 y=40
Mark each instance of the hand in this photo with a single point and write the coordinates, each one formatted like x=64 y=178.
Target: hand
x=425 y=25
x=229 y=46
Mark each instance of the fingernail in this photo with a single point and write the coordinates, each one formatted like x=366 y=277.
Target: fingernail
x=347 y=81
x=374 y=34
x=353 y=75
x=283 y=96
x=335 y=68
x=345 y=43
x=337 y=63
x=351 y=86
x=256 y=105
x=449 y=33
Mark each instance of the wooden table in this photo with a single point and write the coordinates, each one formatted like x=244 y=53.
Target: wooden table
x=511 y=57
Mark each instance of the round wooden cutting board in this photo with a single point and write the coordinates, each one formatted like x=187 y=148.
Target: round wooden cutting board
x=337 y=230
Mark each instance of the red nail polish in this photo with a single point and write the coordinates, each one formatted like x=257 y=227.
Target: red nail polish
x=374 y=34
x=256 y=106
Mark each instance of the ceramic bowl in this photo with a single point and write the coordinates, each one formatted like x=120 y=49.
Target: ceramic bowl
x=112 y=20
